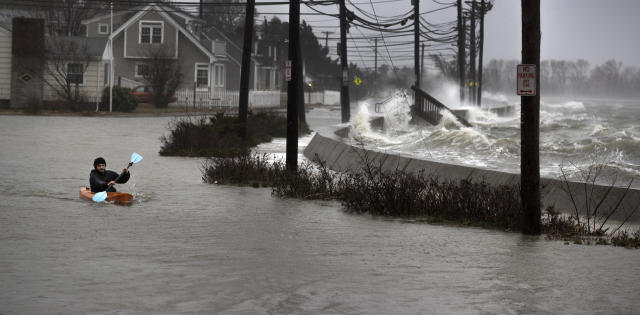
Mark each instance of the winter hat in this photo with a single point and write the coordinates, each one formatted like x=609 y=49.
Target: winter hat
x=99 y=160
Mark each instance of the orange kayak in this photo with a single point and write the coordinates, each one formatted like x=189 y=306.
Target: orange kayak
x=119 y=198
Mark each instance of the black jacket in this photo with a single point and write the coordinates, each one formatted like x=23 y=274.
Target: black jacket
x=99 y=181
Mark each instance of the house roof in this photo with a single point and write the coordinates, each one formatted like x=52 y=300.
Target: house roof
x=95 y=46
x=171 y=20
x=7 y=15
x=127 y=13
x=214 y=33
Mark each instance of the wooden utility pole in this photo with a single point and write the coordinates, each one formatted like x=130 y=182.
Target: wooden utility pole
x=472 y=55
x=326 y=38
x=530 y=122
x=375 y=70
x=302 y=117
x=483 y=11
x=293 y=86
x=422 y=63
x=416 y=43
x=243 y=106
x=344 y=89
x=461 y=43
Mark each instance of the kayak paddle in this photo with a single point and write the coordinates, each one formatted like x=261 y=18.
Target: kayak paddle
x=101 y=196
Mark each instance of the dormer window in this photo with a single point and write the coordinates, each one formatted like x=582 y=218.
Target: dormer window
x=103 y=29
x=151 y=32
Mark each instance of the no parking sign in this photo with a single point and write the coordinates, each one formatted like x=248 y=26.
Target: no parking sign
x=526 y=80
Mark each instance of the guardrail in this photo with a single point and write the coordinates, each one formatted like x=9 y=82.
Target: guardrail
x=429 y=108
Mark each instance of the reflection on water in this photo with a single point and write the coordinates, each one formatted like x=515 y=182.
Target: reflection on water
x=189 y=247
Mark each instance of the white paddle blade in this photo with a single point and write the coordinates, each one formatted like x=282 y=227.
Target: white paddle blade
x=135 y=157
x=100 y=197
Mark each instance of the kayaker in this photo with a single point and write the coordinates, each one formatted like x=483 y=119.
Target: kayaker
x=102 y=179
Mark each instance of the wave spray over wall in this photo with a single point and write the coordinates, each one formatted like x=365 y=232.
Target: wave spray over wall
x=573 y=133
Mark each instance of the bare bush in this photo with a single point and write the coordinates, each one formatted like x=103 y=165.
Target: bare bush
x=592 y=206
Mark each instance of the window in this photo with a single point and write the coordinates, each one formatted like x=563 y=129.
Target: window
x=151 y=33
x=142 y=70
x=75 y=73
x=218 y=75
x=202 y=75
x=103 y=29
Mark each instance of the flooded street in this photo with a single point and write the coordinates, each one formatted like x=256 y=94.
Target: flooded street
x=189 y=247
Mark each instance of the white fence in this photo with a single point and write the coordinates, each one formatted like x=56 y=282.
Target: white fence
x=223 y=98
x=257 y=99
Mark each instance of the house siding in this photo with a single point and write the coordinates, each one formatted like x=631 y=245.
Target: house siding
x=189 y=55
x=92 y=28
x=134 y=49
x=5 y=64
x=91 y=90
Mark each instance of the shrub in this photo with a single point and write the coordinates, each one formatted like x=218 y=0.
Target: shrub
x=220 y=136
x=123 y=100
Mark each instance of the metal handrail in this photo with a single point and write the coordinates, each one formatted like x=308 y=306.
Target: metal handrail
x=429 y=107
x=377 y=105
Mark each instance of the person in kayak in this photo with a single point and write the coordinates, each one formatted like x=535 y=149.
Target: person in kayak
x=102 y=179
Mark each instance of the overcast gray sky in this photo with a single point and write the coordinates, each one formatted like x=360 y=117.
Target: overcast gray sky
x=595 y=30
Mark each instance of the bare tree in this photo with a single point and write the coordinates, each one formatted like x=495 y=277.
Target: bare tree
x=64 y=17
x=229 y=19
x=66 y=64
x=163 y=73
x=448 y=68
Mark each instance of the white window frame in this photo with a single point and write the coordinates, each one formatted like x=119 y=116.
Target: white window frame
x=141 y=24
x=216 y=82
x=137 y=74
x=82 y=66
x=201 y=66
x=100 y=28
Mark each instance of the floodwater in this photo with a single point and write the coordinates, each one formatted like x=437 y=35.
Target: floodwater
x=185 y=247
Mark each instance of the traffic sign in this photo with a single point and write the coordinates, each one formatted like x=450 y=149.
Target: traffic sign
x=357 y=81
x=526 y=78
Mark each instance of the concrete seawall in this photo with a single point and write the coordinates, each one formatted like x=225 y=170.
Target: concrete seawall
x=341 y=156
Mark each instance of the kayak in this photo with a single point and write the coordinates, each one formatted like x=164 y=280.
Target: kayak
x=119 y=198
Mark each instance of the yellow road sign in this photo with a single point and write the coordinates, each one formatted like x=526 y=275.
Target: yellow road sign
x=357 y=81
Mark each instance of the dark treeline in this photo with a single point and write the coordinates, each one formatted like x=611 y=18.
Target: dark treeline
x=563 y=77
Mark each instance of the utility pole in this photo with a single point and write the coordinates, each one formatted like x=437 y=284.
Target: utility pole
x=472 y=55
x=461 y=43
x=293 y=86
x=301 y=85
x=416 y=43
x=530 y=122
x=201 y=7
x=485 y=7
x=375 y=70
x=344 y=89
x=422 y=63
x=326 y=38
x=243 y=106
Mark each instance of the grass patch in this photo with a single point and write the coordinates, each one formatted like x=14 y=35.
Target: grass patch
x=220 y=136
